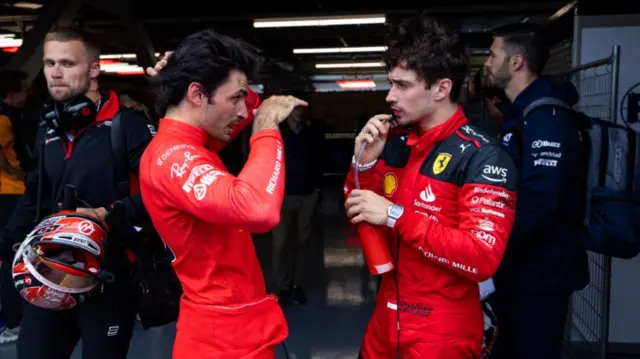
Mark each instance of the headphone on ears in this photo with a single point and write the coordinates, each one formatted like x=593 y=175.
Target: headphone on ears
x=78 y=112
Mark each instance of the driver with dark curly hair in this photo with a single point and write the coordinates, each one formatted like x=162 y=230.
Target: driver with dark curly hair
x=441 y=191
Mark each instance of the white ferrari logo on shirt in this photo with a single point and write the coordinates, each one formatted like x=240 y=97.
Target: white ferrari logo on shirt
x=200 y=190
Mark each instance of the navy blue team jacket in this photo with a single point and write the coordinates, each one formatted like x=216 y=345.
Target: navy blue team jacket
x=544 y=253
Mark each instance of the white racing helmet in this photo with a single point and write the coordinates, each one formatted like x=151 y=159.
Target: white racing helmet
x=61 y=262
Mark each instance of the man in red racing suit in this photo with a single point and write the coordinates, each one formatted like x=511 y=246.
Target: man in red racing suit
x=204 y=214
x=443 y=195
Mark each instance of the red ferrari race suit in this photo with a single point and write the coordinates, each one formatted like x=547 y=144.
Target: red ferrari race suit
x=457 y=188
x=205 y=215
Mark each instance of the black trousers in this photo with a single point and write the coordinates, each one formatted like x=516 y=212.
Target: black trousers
x=530 y=326
x=8 y=203
x=104 y=322
x=291 y=255
x=11 y=300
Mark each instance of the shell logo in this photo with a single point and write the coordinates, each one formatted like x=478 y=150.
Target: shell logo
x=390 y=184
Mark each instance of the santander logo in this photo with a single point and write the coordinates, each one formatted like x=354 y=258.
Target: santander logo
x=427 y=195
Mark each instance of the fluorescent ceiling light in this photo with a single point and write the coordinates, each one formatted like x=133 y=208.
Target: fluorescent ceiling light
x=320 y=21
x=118 y=57
x=334 y=50
x=356 y=84
x=121 y=68
x=349 y=65
x=9 y=42
x=341 y=77
x=123 y=56
x=563 y=10
x=334 y=87
x=27 y=5
x=331 y=50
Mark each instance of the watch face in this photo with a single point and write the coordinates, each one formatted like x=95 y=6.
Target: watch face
x=395 y=211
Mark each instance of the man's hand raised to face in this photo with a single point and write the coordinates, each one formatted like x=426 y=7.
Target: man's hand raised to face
x=274 y=110
x=152 y=71
x=374 y=136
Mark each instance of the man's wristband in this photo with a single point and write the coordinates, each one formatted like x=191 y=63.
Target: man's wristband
x=363 y=167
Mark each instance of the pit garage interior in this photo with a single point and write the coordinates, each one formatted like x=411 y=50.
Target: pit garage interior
x=332 y=58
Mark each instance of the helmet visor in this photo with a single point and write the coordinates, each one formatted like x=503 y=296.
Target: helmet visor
x=63 y=268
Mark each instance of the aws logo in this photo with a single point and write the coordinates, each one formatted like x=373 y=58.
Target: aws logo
x=390 y=184
x=490 y=173
x=441 y=163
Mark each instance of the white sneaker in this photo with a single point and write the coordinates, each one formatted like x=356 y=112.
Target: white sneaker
x=8 y=336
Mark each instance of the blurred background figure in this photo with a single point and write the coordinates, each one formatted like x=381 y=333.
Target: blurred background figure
x=14 y=153
x=473 y=104
x=497 y=105
x=303 y=143
x=483 y=105
x=14 y=160
x=127 y=101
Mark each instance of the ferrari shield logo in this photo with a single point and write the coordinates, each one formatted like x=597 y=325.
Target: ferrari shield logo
x=441 y=163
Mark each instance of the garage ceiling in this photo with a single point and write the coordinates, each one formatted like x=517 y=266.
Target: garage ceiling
x=168 y=22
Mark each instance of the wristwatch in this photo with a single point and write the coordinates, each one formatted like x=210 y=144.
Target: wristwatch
x=394 y=212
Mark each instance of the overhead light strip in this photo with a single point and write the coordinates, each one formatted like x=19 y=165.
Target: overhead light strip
x=356 y=84
x=27 y=5
x=558 y=14
x=122 y=69
x=9 y=42
x=320 y=21
x=341 y=77
x=111 y=66
x=118 y=57
x=356 y=49
x=349 y=65
x=123 y=56
x=334 y=50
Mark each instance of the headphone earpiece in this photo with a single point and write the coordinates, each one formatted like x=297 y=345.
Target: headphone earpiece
x=76 y=113
x=80 y=111
x=50 y=115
